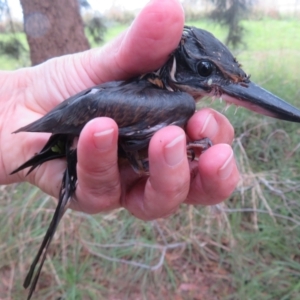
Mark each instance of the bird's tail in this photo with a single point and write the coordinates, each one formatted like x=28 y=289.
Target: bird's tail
x=66 y=192
x=58 y=146
x=54 y=148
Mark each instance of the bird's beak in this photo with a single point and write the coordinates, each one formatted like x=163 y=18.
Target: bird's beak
x=255 y=98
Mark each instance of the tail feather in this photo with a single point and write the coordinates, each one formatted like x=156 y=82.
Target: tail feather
x=66 y=192
x=58 y=145
x=37 y=160
x=54 y=148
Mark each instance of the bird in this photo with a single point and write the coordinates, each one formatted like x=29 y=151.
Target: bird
x=200 y=66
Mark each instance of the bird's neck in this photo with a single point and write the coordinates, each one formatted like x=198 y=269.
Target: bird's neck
x=162 y=78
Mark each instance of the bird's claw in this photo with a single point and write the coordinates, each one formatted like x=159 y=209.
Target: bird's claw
x=196 y=148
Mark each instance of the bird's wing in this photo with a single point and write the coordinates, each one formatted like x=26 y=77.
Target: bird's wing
x=138 y=108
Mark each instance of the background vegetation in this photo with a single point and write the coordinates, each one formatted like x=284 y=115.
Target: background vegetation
x=246 y=248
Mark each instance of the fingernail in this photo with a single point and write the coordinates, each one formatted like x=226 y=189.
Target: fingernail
x=175 y=150
x=210 y=127
x=226 y=170
x=103 y=139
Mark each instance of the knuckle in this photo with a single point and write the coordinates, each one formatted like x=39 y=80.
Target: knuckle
x=105 y=195
x=105 y=170
x=175 y=191
x=101 y=180
x=110 y=189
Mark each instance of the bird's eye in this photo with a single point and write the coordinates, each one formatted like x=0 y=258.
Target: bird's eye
x=205 y=68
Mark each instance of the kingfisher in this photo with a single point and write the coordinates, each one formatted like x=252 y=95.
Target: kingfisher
x=200 y=66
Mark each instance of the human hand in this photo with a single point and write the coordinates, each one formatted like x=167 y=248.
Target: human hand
x=28 y=94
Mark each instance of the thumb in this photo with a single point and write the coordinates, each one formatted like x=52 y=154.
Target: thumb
x=143 y=47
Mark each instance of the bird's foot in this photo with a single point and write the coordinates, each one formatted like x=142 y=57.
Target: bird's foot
x=196 y=148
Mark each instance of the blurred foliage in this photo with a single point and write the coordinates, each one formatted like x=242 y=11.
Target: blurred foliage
x=94 y=22
x=95 y=27
x=3 y=9
x=230 y=13
x=84 y=4
x=120 y=16
x=12 y=47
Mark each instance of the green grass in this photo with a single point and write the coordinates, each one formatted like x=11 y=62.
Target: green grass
x=9 y=63
x=247 y=248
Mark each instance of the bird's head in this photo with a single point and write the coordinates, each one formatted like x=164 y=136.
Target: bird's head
x=203 y=66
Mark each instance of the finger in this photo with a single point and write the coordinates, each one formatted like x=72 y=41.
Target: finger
x=210 y=123
x=97 y=168
x=153 y=35
x=216 y=176
x=144 y=47
x=168 y=184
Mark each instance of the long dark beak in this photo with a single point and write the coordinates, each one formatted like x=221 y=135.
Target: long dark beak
x=255 y=98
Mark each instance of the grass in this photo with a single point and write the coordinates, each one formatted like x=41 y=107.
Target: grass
x=9 y=63
x=246 y=248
